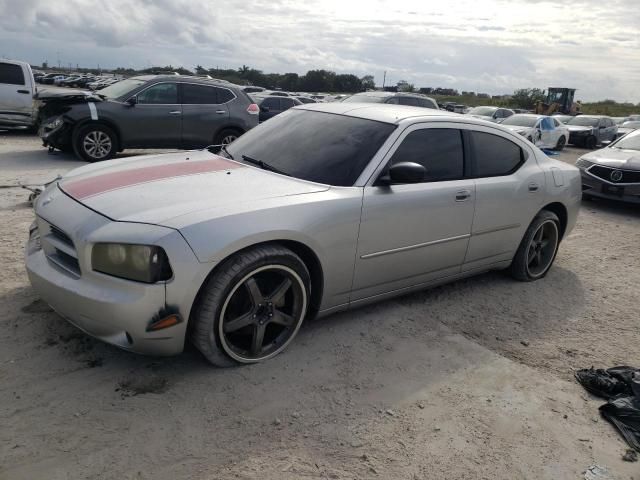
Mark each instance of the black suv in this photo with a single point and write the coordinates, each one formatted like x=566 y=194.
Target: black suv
x=412 y=99
x=153 y=111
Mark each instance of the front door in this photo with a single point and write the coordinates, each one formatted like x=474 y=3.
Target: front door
x=155 y=121
x=415 y=233
x=16 y=98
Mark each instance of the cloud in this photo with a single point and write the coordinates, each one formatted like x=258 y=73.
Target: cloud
x=481 y=45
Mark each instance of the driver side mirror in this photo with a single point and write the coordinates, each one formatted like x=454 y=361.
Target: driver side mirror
x=403 y=172
x=132 y=101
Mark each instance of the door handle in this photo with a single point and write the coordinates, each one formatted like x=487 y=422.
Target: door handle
x=23 y=91
x=462 y=195
x=175 y=112
x=533 y=187
x=221 y=111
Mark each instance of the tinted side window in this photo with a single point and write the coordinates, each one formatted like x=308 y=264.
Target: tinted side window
x=160 y=94
x=423 y=102
x=439 y=150
x=11 y=74
x=198 y=95
x=393 y=101
x=272 y=103
x=224 y=95
x=408 y=101
x=286 y=103
x=494 y=155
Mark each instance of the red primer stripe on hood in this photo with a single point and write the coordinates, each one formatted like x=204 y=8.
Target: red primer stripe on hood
x=88 y=187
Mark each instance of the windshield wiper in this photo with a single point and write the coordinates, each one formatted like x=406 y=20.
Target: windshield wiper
x=263 y=165
x=224 y=149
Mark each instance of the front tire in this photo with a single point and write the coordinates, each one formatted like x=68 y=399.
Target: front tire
x=591 y=142
x=538 y=248
x=95 y=142
x=561 y=143
x=252 y=307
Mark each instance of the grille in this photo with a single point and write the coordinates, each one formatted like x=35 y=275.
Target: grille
x=58 y=247
x=628 y=176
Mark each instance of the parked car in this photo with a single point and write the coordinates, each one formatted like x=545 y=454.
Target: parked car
x=146 y=112
x=270 y=106
x=634 y=118
x=252 y=89
x=322 y=208
x=411 y=99
x=589 y=131
x=628 y=127
x=562 y=118
x=305 y=99
x=543 y=131
x=619 y=120
x=17 y=88
x=614 y=171
x=59 y=79
x=491 y=114
x=49 y=78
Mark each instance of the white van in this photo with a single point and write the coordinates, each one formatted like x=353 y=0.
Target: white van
x=17 y=89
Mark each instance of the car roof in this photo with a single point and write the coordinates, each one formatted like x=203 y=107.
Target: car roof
x=185 y=79
x=387 y=113
x=535 y=115
x=391 y=94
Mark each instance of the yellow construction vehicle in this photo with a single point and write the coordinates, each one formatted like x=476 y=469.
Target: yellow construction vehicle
x=559 y=100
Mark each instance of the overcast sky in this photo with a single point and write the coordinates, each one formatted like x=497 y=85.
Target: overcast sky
x=492 y=46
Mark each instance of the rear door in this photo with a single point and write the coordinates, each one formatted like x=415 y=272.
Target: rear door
x=509 y=188
x=16 y=94
x=205 y=111
x=155 y=121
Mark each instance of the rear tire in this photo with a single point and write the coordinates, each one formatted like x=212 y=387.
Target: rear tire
x=252 y=307
x=94 y=142
x=538 y=248
x=591 y=142
x=226 y=136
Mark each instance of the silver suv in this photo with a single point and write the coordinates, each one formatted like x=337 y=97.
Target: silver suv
x=153 y=111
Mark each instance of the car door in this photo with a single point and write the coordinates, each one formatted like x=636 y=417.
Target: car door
x=155 y=120
x=548 y=133
x=414 y=233
x=509 y=188
x=16 y=99
x=205 y=112
x=612 y=129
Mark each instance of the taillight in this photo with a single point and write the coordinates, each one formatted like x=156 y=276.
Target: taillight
x=253 y=109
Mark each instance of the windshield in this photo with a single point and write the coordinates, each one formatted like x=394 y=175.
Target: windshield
x=584 y=121
x=121 y=88
x=315 y=146
x=631 y=141
x=365 y=99
x=484 y=111
x=563 y=118
x=619 y=120
x=521 y=121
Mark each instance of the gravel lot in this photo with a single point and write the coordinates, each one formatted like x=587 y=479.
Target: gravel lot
x=470 y=380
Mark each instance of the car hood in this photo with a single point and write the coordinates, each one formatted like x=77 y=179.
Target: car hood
x=67 y=95
x=517 y=128
x=579 y=128
x=616 y=158
x=157 y=188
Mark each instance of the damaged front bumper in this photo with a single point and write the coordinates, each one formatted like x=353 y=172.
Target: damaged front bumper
x=117 y=311
x=58 y=136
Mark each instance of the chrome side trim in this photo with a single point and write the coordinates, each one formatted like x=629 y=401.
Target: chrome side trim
x=413 y=247
x=497 y=229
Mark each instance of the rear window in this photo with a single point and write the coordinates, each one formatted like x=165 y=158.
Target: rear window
x=11 y=74
x=315 y=146
x=494 y=155
x=365 y=99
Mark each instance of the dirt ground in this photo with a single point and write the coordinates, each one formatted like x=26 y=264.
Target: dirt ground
x=473 y=380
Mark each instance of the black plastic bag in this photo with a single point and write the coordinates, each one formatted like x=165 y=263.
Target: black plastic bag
x=621 y=386
x=607 y=383
x=624 y=413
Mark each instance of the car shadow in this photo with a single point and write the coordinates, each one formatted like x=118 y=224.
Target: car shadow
x=613 y=207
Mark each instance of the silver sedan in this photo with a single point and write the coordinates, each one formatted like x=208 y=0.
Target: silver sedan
x=322 y=208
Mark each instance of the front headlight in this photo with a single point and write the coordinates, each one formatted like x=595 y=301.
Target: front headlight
x=142 y=263
x=582 y=163
x=53 y=124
